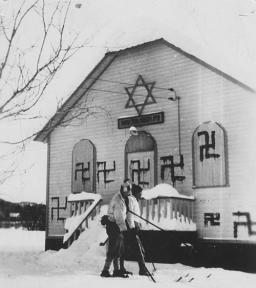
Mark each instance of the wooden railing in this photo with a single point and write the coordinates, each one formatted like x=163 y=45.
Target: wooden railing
x=82 y=212
x=164 y=210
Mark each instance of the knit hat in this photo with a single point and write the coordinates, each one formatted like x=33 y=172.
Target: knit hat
x=125 y=187
x=136 y=189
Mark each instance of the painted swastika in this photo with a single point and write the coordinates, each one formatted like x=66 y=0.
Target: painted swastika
x=80 y=168
x=170 y=165
x=204 y=149
x=102 y=169
x=212 y=218
x=137 y=170
x=248 y=223
x=58 y=208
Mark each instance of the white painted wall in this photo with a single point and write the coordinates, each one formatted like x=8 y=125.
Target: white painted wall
x=205 y=95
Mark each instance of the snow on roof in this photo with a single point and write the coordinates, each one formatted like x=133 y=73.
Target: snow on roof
x=83 y=196
x=163 y=190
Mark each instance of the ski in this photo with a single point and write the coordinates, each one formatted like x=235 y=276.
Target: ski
x=189 y=278
x=178 y=280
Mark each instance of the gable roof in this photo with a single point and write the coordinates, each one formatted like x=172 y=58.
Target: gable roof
x=75 y=96
x=99 y=70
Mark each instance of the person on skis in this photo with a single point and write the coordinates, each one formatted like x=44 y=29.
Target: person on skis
x=134 y=226
x=115 y=228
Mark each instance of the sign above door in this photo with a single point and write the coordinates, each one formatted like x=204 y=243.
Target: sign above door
x=143 y=120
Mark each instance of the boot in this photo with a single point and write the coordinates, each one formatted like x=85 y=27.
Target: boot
x=124 y=271
x=122 y=268
x=119 y=273
x=143 y=269
x=105 y=273
x=144 y=272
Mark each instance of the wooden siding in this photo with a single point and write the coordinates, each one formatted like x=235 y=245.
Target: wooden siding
x=205 y=96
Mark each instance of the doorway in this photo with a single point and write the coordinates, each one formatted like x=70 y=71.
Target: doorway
x=141 y=159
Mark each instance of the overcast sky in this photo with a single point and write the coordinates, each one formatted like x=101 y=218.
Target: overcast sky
x=220 y=32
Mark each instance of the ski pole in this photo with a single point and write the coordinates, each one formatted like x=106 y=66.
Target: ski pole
x=150 y=275
x=154 y=267
x=104 y=243
x=146 y=220
x=150 y=223
x=142 y=252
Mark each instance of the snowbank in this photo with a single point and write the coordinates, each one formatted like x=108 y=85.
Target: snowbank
x=81 y=264
x=163 y=190
x=84 y=254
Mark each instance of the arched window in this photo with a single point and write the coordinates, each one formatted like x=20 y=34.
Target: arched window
x=209 y=145
x=84 y=167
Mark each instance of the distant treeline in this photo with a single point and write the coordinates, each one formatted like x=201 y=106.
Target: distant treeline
x=24 y=214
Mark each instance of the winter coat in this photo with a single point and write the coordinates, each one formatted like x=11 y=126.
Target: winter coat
x=115 y=241
x=117 y=211
x=132 y=219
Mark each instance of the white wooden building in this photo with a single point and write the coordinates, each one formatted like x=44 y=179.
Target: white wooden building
x=196 y=131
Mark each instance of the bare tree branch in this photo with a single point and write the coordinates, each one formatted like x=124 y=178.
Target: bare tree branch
x=26 y=71
x=16 y=25
x=34 y=81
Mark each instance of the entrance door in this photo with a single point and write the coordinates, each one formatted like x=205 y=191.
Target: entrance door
x=141 y=168
x=140 y=159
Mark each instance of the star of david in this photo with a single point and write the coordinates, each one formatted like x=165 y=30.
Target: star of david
x=134 y=100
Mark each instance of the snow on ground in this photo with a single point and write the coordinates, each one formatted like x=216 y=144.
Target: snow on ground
x=25 y=264
x=12 y=240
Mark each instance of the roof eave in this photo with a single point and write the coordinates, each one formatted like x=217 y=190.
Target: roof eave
x=102 y=66
x=92 y=77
